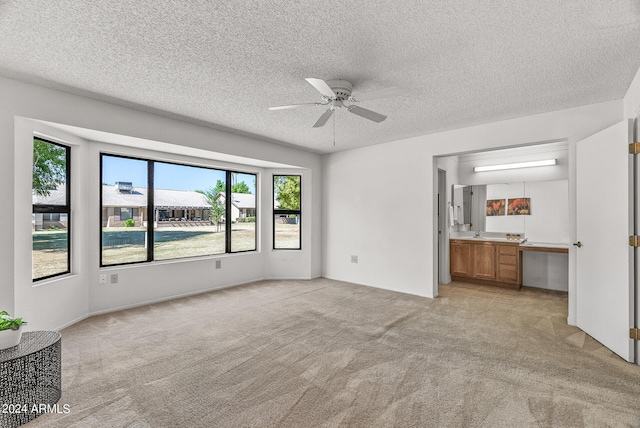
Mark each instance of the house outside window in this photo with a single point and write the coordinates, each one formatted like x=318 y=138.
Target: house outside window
x=125 y=214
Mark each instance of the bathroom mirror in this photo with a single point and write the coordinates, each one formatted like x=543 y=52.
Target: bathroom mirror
x=544 y=219
x=461 y=198
x=483 y=207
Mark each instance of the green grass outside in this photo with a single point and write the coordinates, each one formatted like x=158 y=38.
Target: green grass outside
x=127 y=245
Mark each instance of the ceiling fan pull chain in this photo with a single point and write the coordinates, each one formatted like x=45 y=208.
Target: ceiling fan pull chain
x=334 y=130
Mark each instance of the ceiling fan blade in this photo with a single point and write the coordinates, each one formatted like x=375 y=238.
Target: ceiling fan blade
x=321 y=86
x=293 y=106
x=323 y=119
x=367 y=114
x=393 y=91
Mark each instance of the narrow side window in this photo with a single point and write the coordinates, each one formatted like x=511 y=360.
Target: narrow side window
x=51 y=212
x=287 y=214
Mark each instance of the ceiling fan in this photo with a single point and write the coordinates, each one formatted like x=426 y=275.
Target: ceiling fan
x=334 y=95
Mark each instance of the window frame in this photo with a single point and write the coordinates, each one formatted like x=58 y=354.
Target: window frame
x=228 y=211
x=151 y=209
x=102 y=211
x=276 y=212
x=57 y=209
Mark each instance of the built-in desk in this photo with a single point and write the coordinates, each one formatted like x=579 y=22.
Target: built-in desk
x=544 y=248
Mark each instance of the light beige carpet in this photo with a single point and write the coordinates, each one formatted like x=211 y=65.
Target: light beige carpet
x=327 y=353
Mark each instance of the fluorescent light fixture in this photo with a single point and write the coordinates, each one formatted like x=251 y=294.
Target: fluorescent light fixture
x=547 y=162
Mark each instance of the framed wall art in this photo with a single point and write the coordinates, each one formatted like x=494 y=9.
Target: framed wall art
x=519 y=206
x=495 y=207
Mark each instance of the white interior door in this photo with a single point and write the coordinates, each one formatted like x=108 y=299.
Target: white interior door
x=604 y=202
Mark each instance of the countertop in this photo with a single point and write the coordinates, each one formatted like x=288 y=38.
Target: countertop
x=484 y=238
x=551 y=247
x=548 y=247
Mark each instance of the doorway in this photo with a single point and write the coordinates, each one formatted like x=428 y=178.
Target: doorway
x=443 y=259
x=549 y=186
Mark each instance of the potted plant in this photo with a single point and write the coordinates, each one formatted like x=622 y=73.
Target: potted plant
x=10 y=332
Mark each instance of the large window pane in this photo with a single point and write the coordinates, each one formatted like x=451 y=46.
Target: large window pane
x=243 y=212
x=50 y=218
x=189 y=211
x=287 y=212
x=160 y=211
x=124 y=189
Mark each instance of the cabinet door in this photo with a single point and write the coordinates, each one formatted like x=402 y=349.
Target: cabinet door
x=484 y=260
x=460 y=259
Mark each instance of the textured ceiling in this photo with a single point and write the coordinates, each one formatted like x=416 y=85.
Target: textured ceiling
x=225 y=62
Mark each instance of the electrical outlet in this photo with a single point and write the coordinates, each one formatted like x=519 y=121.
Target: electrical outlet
x=103 y=278
x=354 y=259
x=114 y=278
x=218 y=264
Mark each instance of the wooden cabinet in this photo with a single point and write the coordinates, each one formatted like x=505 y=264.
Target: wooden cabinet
x=486 y=262
x=508 y=263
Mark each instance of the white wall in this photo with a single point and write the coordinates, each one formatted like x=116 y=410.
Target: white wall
x=382 y=198
x=549 y=219
x=632 y=98
x=58 y=302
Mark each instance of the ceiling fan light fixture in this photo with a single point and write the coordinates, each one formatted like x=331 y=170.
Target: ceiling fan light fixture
x=336 y=91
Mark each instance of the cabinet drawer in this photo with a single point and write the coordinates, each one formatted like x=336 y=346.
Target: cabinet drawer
x=508 y=250
x=507 y=273
x=508 y=260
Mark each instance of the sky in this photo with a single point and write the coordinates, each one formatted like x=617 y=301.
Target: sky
x=167 y=176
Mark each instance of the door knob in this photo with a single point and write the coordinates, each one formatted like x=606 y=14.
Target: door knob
x=578 y=244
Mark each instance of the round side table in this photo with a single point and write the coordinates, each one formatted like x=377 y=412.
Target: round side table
x=30 y=378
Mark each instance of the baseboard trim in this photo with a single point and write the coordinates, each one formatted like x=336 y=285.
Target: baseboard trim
x=72 y=322
x=375 y=286
x=168 y=298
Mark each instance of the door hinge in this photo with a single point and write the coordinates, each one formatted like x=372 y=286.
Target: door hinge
x=634 y=148
x=634 y=333
x=634 y=241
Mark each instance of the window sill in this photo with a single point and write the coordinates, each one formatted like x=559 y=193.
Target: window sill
x=180 y=260
x=47 y=281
